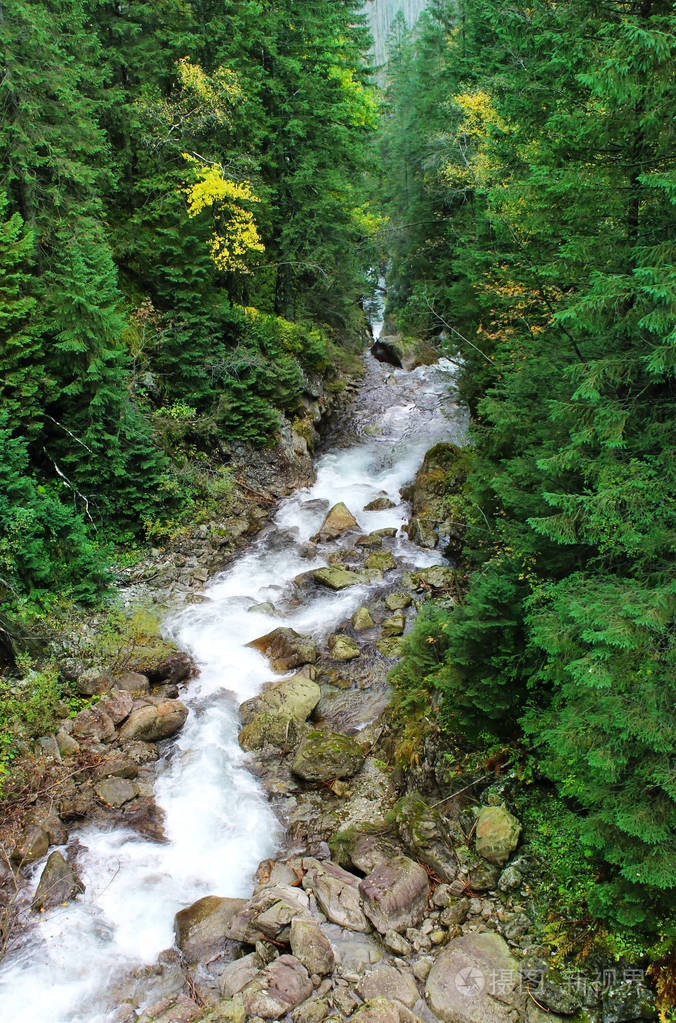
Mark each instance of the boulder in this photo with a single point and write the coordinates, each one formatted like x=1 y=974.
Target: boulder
x=455 y=913
x=394 y=625
x=497 y=834
x=293 y=697
x=378 y=1010
x=58 y=884
x=387 y=981
x=115 y=792
x=382 y=561
x=117 y=705
x=311 y=947
x=437 y=499
x=31 y=845
x=436 y=577
x=403 y=352
x=337 y=578
x=337 y=894
x=474 y=980
x=237 y=974
x=338 y=520
x=119 y=765
x=395 y=894
x=364 y=850
x=323 y=756
x=66 y=743
x=45 y=818
x=315 y=1010
x=132 y=682
x=92 y=683
x=286 y=649
x=390 y=647
x=283 y=985
x=154 y=722
x=398 y=601
x=282 y=732
x=362 y=619
x=428 y=835
x=268 y=913
x=175 y=667
x=342 y=648
x=379 y=504
x=93 y=725
x=202 y=929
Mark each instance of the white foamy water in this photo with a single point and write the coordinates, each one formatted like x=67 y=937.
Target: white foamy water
x=217 y=821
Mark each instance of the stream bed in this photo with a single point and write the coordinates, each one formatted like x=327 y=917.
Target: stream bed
x=218 y=821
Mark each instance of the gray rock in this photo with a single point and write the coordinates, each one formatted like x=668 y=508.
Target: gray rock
x=283 y=985
x=132 y=681
x=117 y=705
x=337 y=894
x=323 y=756
x=397 y=944
x=398 y=601
x=510 y=879
x=474 y=980
x=311 y=947
x=202 y=929
x=497 y=834
x=268 y=913
x=93 y=724
x=237 y=974
x=366 y=850
x=66 y=743
x=386 y=981
x=379 y=504
x=483 y=877
x=115 y=792
x=58 y=884
x=427 y=834
x=154 y=722
x=627 y=1000
x=455 y=913
x=31 y=845
x=286 y=649
x=395 y=894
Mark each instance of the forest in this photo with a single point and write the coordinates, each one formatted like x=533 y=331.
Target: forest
x=197 y=199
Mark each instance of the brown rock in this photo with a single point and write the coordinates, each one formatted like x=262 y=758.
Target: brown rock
x=152 y=723
x=58 y=884
x=286 y=649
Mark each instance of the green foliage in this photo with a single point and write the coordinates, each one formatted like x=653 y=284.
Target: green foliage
x=542 y=174
x=28 y=707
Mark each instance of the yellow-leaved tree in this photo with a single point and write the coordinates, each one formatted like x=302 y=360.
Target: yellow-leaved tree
x=235 y=235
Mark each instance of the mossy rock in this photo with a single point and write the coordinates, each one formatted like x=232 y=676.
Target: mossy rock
x=362 y=619
x=394 y=625
x=337 y=578
x=390 y=646
x=398 y=601
x=293 y=697
x=281 y=731
x=323 y=756
x=381 y=560
x=342 y=648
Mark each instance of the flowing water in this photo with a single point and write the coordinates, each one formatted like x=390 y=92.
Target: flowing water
x=219 y=824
